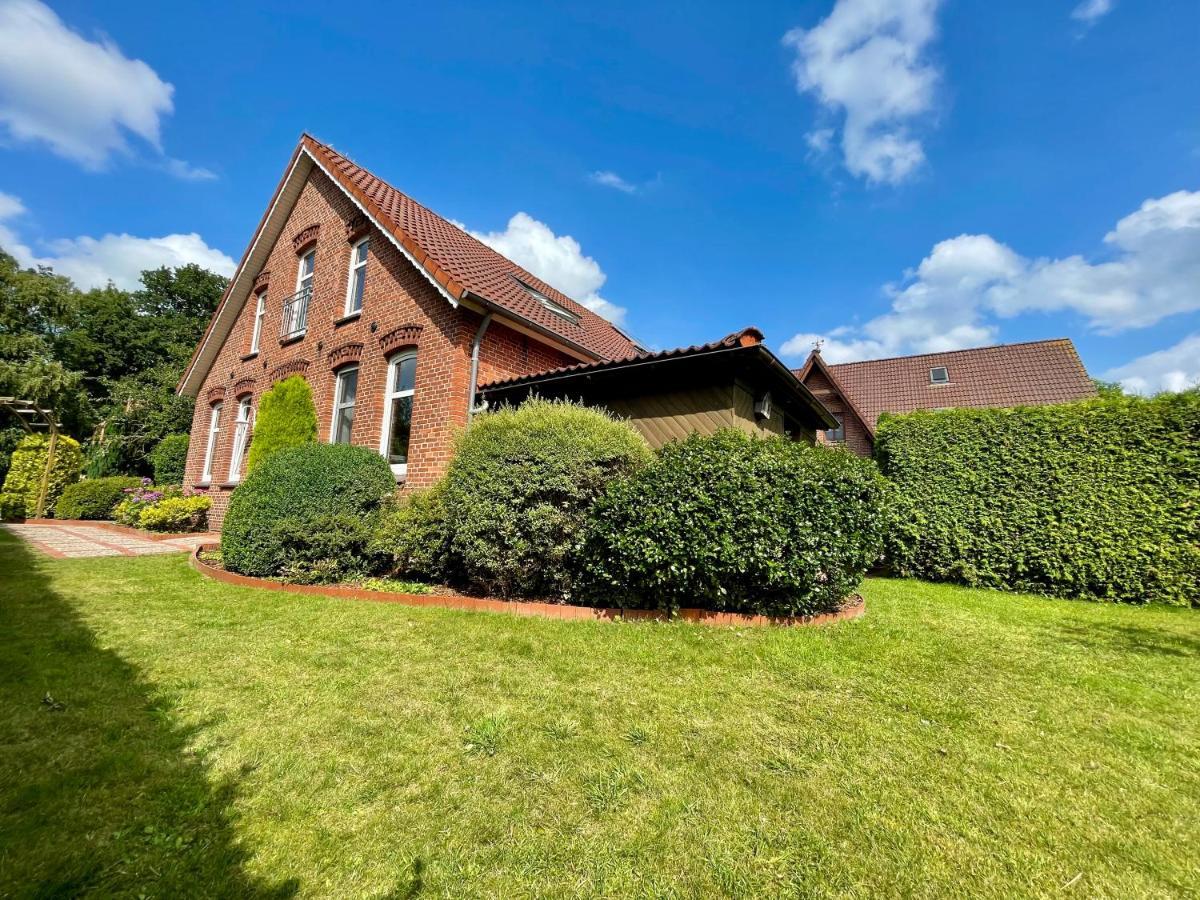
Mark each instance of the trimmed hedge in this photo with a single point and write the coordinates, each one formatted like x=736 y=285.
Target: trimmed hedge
x=736 y=523
x=1098 y=500
x=285 y=418
x=29 y=462
x=95 y=498
x=516 y=493
x=169 y=458
x=302 y=486
x=12 y=507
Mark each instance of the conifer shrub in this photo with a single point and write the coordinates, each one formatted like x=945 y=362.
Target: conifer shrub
x=286 y=417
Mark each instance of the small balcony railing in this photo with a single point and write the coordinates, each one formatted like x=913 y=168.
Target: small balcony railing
x=295 y=313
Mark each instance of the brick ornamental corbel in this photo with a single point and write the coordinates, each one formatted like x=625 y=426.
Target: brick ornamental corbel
x=398 y=338
x=261 y=282
x=243 y=387
x=306 y=237
x=356 y=228
x=216 y=394
x=346 y=353
x=291 y=367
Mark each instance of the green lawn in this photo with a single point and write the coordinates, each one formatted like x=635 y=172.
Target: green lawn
x=227 y=741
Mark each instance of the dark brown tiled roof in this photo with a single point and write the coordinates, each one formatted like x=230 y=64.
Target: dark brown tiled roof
x=1030 y=374
x=462 y=264
x=747 y=337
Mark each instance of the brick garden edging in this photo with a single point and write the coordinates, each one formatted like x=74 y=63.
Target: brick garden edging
x=855 y=608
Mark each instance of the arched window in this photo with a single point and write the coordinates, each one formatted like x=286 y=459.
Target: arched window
x=241 y=438
x=210 y=449
x=397 y=411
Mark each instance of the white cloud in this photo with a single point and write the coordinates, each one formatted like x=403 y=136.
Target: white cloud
x=82 y=98
x=613 y=180
x=187 y=171
x=958 y=294
x=1175 y=369
x=556 y=259
x=119 y=258
x=1091 y=11
x=866 y=61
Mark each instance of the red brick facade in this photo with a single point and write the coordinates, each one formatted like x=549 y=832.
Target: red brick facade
x=856 y=437
x=401 y=310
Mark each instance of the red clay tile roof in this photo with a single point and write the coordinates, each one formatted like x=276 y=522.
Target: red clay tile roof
x=747 y=337
x=462 y=264
x=1029 y=374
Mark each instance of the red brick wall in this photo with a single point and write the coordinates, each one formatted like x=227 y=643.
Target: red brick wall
x=396 y=295
x=857 y=438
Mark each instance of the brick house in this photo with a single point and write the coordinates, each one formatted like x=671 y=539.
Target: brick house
x=857 y=394
x=396 y=317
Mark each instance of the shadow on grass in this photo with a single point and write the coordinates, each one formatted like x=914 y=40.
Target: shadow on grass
x=98 y=791
x=1112 y=637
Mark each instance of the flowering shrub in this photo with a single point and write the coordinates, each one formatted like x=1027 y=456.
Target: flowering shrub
x=162 y=508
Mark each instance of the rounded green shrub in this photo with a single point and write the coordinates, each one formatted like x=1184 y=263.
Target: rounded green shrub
x=29 y=462
x=285 y=418
x=169 y=458
x=12 y=507
x=518 y=488
x=413 y=536
x=299 y=485
x=1095 y=500
x=93 y=498
x=735 y=523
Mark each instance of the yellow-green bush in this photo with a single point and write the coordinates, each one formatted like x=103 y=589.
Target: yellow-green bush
x=1099 y=500
x=285 y=418
x=29 y=462
x=176 y=514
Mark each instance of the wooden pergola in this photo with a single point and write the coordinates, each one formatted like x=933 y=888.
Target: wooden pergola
x=33 y=417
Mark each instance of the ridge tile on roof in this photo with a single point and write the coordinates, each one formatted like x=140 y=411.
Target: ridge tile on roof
x=458 y=260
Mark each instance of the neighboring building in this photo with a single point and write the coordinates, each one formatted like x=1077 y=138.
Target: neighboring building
x=1030 y=374
x=394 y=315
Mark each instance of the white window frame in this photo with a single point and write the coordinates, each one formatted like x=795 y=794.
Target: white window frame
x=945 y=380
x=836 y=435
x=210 y=449
x=355 y=265
x=400 y=470
x=301 y=278
x=339 y=402
x=241 y=438
x=260 y=313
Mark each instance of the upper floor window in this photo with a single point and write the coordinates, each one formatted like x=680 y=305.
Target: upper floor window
x=939 y=375
x=344 y=395
x=836 y=435
x=295 y=308
x=260 y=313
x=210 y=449
x=358 y=276
x=557 y=308
x=397 y=412
x=241 y=438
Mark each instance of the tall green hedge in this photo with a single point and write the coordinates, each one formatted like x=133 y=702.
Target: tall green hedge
x=29 y=462
x=286 y=418
x=169 y=458
x=1097 y=500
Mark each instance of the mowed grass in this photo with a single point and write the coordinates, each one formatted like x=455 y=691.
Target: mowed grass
x=221 y=741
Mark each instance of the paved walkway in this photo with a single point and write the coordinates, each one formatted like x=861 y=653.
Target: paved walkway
x=74 y=541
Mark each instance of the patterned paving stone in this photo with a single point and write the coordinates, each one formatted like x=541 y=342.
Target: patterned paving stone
x=79 y=541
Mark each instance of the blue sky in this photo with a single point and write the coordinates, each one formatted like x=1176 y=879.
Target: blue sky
x=890 y=177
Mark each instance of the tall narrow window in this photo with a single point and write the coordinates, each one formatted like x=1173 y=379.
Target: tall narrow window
x=343 y=405
x=397 y=412
x=358 y=276
x=295 y=308
x=210 y=449
x=260 y=312
x=241 y=439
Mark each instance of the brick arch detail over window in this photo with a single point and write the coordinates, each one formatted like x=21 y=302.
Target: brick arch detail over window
x=291 y=367
x=357 y=227
x=345 y=354
x=400 y=338
x=306 y=237
x=243 y=387
x=216 y=395
x=261 y=281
